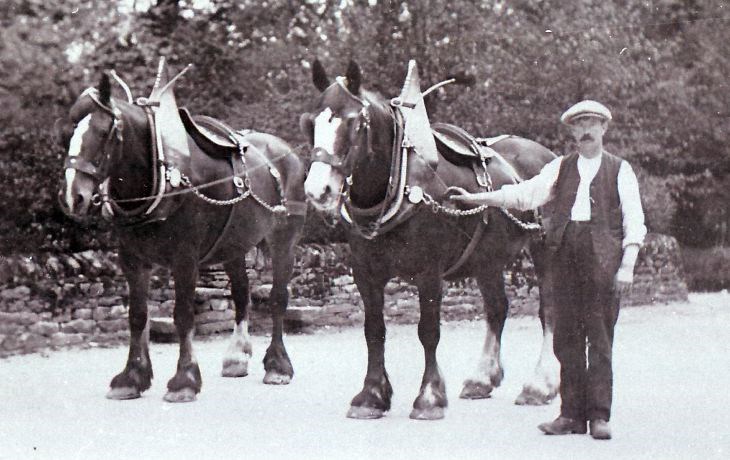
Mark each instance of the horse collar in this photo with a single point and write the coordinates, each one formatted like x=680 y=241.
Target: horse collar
x=393 y=210
x=141 y=214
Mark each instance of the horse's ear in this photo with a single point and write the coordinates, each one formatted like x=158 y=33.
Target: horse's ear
x=319 y=76
x=354 y=77
x=306 y=125
x=105 y=89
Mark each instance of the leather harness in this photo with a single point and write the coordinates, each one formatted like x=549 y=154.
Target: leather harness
x=394 y=210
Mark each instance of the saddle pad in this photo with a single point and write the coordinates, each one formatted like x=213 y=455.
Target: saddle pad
x=209 y=134
x=459 y=141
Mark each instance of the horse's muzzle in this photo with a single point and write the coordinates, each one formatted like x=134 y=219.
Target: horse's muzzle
x=323 y=187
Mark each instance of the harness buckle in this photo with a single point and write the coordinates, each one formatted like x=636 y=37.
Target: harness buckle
x=145 y=102
x=398 y=102
x=239 y=183
x=174 y=177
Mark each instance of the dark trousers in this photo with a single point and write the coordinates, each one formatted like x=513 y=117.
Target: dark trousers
x=587 y=310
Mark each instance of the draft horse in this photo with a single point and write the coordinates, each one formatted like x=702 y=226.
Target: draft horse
x=239 y=192
x=356 y=145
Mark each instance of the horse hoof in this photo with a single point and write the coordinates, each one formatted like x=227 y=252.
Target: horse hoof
x=476 y=390
x=275 y=378
x=432 y=413
x=122 y=393
x=530 y=397
x=184 y=395
x=365 y=413
x=235 y=369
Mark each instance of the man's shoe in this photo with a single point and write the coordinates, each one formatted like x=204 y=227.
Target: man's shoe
x=600 y=429
x=563 y=425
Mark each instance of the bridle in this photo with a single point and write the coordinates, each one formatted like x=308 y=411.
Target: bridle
x=345 y=164
x=100 y=172
x=111 y=151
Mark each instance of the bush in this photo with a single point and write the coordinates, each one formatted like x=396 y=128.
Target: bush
x=656 y=199
x=707 y=269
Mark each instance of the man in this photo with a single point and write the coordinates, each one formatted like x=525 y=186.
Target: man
x=594 y=238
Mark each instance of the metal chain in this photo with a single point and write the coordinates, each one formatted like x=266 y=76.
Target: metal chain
x=526 y=226
x=437 y=207
x=274 y=209
x=186 y=182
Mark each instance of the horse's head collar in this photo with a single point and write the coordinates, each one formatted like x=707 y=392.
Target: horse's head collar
x=99 y=167
x=357 y=130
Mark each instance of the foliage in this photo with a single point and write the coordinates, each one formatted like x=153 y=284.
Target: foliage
x=653 y=63
x=703 y=204
x=707 y=269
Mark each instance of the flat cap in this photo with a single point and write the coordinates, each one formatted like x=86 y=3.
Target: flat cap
x=585 y=108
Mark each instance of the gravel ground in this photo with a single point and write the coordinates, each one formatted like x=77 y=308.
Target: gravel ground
x=671 y=365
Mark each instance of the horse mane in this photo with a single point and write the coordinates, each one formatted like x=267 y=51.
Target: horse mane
x=377 y=101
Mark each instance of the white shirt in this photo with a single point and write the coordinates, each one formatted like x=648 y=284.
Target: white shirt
x=540 y=189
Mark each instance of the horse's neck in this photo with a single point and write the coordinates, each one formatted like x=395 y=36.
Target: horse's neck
x=371 y=174
x=131 y=175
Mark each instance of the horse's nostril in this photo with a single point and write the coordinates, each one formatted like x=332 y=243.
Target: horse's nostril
x=78 y=201
x=327 y=190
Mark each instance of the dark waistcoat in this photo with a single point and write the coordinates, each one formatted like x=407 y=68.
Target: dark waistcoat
x=606 y=219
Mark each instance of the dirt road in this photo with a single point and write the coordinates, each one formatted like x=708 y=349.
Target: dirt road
x=672 y=367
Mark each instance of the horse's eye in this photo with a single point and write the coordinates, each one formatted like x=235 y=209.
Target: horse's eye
x=353 y=123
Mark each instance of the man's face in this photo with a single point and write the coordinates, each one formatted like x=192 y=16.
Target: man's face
x=587 y=132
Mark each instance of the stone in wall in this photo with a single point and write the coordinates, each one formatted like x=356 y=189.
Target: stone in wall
x=62 y=300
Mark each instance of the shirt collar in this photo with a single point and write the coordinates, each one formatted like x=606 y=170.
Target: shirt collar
x=596 y=159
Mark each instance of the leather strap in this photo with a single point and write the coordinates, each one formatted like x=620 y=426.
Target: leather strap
x=469 y=248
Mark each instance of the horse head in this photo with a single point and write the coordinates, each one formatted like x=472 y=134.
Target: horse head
x=101 y=126
x=340 y=129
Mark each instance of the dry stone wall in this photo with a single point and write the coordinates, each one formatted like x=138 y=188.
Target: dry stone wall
x=81 y=299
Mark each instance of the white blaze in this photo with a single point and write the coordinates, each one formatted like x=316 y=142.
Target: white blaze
x=325 y=133
x=74 y=149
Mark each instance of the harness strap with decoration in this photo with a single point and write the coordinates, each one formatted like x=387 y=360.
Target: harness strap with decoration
x=394 y=209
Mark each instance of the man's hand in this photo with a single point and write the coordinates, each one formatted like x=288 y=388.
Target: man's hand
x=622 y=281
x=625 y=275
x=459 y=195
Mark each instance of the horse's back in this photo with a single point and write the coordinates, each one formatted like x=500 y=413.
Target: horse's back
x=290 y=166
x=526 y=156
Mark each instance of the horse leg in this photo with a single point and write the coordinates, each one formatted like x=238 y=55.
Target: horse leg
x=489 y=373
x=186 y=382
x=374 y=399
x=235 y=362
x=279 y=370
x=137 y=374
x=431 y=401
x=545 y=382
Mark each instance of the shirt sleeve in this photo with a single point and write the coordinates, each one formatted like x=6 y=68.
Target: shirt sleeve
x=534 y=192
x=631 y=211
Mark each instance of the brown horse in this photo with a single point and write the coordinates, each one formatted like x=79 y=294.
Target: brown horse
x=114 y=164
x=355 y=136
